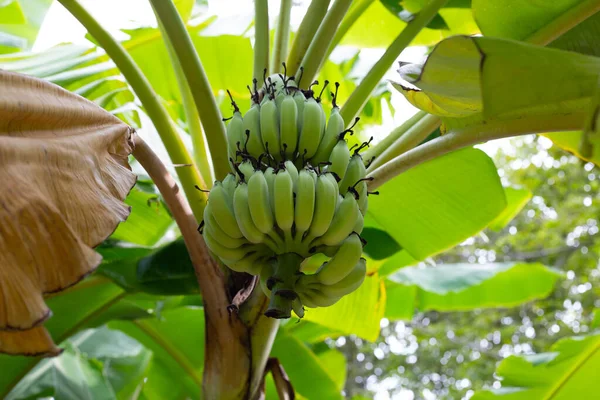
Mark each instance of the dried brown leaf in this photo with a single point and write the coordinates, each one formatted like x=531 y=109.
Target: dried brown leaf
x=64 y=173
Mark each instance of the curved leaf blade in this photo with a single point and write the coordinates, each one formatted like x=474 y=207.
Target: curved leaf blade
x=569 y=372
x=461 y=287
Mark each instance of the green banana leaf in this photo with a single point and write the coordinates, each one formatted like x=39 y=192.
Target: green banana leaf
x=569 y=371
x=96 y=363
x=461 y=287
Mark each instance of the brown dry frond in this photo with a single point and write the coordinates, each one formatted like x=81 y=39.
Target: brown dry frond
x=64 y=173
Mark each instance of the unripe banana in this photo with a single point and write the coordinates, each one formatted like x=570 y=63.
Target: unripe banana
x=270 y=178
x=269 y=128
x=254 y=145
x=363 y=201
x=259 y=203
x=360 y=223
x=229 y=184
x=326 y=194
x=319 y=298
x=343 y=222
x=307 y=299
x=291 y=168
x=223 y=252
x=300 y=100
x=223 y=212
x=235 y=135
x=305 y=202
x=289 y=126
x=284 y=201
x=297 y=307
x=247 y=169
x=252 y=263
x=335 y=126
x=268 y=269
x=340 y=265
x=323 y=118
x=339 y=158
x=312 y=129
x=354 y=172
x=213 y=228
x=350 y=283
x=243 y=216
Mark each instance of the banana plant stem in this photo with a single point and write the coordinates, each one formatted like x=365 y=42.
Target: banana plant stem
x=376 y=150
x=226 y=347
x=361 y=94
x=354 y=13
x=306 y=32
x=315 y=55
x=186 y=170
x=412 y=138
x=261 y=38
x=565 y=22
x=205 y=101
x=191 y=114
x=469 y=136
x=282 y=36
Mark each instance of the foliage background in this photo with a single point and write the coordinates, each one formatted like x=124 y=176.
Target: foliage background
x=145 y=314
x=450 y=356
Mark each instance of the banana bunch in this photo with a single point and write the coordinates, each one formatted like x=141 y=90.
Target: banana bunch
x=295 y=190
x=284 y=123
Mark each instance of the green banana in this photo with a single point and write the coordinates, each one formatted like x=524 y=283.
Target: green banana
x=269 y=128
x=235 y=135
x=339 y=158
x=223 y=252
x=243 y=216
x=213 y=228
x=223 y=212
x=334 y=128
x=350 y=283
x=297 y=307
x=247 y=169
x=305 y=202
x=289 y=126
x=300 y=100
x=259 y=203
x=340 y=265
x=229 y=184
x=291 y=168
x=363 y=201
x=319 y=298
x=360 y=223
x=343 y=222
x=354 y=172
x=326 y=194
x=311 y=129
x=284 y=201
x=307 y=299
x=267 y=270
x=270 y=178
x=254 y=145
x=252 y=263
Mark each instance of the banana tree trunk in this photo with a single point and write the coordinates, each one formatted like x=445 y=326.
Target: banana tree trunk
x=238 y=339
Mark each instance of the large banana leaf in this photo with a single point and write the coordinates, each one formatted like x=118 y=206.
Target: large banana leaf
x=96 y=363
x=433 y=207
x=461 y=287
x=516 y=19
x=569 y=371
x=379 y=25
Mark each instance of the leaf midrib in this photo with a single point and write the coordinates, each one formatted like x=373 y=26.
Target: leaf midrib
x=574 y=369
